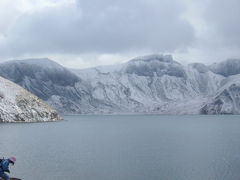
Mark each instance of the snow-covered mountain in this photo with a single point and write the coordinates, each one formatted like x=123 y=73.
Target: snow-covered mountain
x=154 y=84
x=53 y=83
x=19 y=105
x=149 y=84
x=226 y=68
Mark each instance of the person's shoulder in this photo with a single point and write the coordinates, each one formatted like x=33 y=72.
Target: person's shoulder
x=5 y=161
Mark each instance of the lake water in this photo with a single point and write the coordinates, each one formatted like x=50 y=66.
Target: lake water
x=125 y=147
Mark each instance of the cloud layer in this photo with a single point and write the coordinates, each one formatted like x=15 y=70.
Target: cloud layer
x=224 y=16
x=105 y=28
x=100 y=27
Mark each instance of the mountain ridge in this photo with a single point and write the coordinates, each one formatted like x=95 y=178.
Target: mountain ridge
x=148 y=84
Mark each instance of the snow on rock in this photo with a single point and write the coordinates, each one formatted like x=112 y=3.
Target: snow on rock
x=18 y=105
x=55 y=84
x=154 y=64
x=226 y=68
x=226 y=100
x=148 y=84
x=154 y=84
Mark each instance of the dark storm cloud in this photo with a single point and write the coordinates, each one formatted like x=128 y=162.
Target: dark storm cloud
x=100 y=27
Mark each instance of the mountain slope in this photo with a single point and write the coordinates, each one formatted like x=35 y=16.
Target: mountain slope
x=148 y=84
x=154 y=84
x=41 y=78
x=226 y=100
x=18 y=105
x=53 y=83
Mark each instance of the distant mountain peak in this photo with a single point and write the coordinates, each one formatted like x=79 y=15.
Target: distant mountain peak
x=34 y=60
x=154 y=57
x=38 y=72
x=226 y=68
x=43 y=62
x=154 y=65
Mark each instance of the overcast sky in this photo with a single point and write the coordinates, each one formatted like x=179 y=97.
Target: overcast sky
x=85 y=33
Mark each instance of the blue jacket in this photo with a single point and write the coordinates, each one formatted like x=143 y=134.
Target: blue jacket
x=4 y=165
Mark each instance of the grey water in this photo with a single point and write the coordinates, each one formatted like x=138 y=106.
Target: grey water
x=125 y=147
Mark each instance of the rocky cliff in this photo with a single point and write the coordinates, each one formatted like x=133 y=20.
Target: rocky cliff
x=19 y=105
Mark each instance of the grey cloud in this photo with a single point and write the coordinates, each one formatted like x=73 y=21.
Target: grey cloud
x=223 y=16
x=101 y=27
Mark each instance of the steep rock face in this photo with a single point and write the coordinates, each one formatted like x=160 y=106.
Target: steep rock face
x=51 y=82
x=18 y=105
x=153 y=84
x=43 y=78
x=203 y=81
x=226 y=100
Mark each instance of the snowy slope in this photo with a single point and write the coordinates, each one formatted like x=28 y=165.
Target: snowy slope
x=154 y=84
x=18 y=105
x=148 y=84
x=40 y=76
x=227 y=98
x=53 y=83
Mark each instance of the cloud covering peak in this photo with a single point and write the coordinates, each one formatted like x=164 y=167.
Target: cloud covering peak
x=76 y=29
